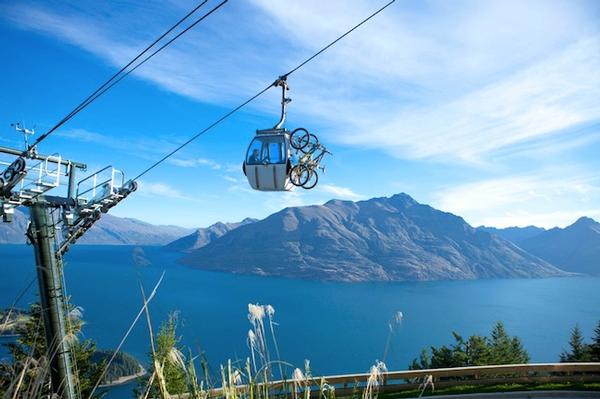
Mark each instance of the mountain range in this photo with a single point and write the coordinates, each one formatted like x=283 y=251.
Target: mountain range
x=515 y=234
x=110 y=230
x=576 y=248
x=382 y=239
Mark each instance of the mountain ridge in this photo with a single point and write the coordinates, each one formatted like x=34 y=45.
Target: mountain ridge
x=204 y=236
x=109 y=230
x=575 y=248
x=514 y=233
x=381 y=239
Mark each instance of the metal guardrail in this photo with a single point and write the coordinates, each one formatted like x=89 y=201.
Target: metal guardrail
x=397 y=381
x=103 y=183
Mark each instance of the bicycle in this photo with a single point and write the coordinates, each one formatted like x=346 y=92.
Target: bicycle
x=304 y=174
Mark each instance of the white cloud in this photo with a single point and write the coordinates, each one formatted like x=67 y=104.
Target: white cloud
x=451 y=81
x=161 y=190
x=192 y=163
x=541 y=219
x=524 y=200
x=339 y=192
x=486 y=77
x=134 y=145
x=277 y=201
x=231 y=179
x=557 y=93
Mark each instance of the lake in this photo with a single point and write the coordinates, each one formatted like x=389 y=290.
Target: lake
x=340 y=327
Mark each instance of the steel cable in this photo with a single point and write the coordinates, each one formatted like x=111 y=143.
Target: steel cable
x=254 y=97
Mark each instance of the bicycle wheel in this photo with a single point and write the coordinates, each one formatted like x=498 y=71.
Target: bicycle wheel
x=299 y=175
x=312 y=180
x=299 y=138
x=312 y=143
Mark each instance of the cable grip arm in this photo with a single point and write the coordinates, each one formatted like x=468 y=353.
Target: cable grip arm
x=282 y=82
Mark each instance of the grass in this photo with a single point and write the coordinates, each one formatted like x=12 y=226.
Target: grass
x=468 y=389
x=11 y=320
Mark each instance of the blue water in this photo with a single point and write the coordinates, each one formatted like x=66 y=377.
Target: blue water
x=341 y=328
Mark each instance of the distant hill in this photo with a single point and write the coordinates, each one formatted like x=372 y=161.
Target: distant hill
x=575 y=248
x=109 y=229
x=514 y=234
x=123 y=367
x=14 y=232
x=205 y=236
x=382 y=239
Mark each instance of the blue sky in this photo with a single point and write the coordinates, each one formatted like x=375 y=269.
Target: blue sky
x=485 y=109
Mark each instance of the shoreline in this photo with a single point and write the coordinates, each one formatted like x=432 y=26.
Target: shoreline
x=124 y=379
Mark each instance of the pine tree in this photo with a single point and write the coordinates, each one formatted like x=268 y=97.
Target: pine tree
x=478 y=351
x=595 y=345
x=443 y=357
x=500 y=344
x=168 y=362
x=579 y=351
x=423 y=363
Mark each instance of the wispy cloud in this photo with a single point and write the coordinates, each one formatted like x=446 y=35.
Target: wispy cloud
x=143 y=147
x=452 y=94
x=192 y=163
x=339 y=192
x=163 y=190
x=524 y=200
x=463 y=82
x=485 y=78
x=545 y=98
x=231 y=179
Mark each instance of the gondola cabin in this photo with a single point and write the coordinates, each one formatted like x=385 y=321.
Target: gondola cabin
x=268 y=161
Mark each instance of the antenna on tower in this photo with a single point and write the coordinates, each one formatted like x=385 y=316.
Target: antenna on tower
x=26 y=133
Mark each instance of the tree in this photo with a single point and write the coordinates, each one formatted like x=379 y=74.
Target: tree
x=595 y=345
x=29 y=356
x=478 y=350
x=579 y=351
x=168 y=365
x=504 y=349
x=423 y=363
x=444 y=357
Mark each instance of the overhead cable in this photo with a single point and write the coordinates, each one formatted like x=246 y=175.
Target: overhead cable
x=118 y=76
x=261 y=92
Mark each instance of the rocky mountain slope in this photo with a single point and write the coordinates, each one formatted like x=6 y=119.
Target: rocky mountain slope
x=514 y=234
x=382 y=239
x=205 y=236
x=575 y=248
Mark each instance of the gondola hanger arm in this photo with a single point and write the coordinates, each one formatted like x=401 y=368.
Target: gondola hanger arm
x=282 y=82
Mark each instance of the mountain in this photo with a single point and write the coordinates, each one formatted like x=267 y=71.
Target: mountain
x=514 y=234
x=14 y=232
x=382 y=239
x=575 y=248
x=204 y=236
x=109 y=229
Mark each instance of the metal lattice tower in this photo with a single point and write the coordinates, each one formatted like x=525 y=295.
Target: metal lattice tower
x=26 y=182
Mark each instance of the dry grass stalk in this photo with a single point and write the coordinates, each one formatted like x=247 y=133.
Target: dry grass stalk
x=375 y=380
x=142 y=310
x=427 y=381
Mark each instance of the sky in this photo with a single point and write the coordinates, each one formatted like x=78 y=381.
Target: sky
x=486 y=109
